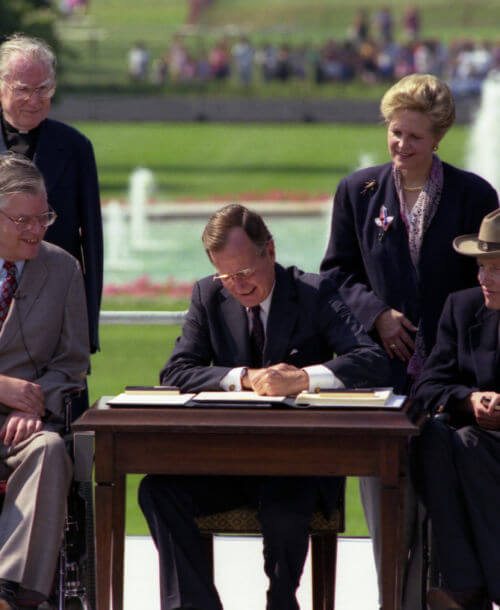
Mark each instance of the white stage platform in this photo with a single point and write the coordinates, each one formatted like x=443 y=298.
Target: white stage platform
x=240 y=578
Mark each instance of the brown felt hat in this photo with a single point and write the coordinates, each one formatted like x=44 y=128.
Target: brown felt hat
x=486 y=242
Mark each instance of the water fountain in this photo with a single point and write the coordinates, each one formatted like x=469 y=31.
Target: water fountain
x=141 y=187
x=118 y=253
x=116 y=245
x=483 y=156
x=171 y=247
x=366 y=159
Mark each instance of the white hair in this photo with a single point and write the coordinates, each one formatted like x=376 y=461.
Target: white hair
x=29 y=48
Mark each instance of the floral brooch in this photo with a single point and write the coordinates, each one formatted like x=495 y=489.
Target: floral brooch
x=383 y=222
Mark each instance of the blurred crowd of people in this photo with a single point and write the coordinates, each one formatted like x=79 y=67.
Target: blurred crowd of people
x=369 y=53
x=68 y=8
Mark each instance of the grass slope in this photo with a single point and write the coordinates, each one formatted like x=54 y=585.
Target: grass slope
x=308 y=19
x=205 y=160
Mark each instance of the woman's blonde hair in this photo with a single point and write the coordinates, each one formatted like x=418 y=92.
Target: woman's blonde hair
x=423 y=93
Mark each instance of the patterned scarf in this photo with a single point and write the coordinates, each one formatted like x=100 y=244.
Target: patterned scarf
x=417 y=221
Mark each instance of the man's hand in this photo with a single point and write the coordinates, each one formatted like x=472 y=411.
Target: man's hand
x=22 y=395
x=391 y=326
x=486 y=415
x=19 y=426
x=277 y=380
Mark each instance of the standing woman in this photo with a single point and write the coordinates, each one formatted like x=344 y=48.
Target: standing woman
x=390 y=249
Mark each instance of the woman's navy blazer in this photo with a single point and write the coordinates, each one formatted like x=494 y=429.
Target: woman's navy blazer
x=373 y=269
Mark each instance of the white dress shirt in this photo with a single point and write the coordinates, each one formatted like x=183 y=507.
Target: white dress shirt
x=320 y=376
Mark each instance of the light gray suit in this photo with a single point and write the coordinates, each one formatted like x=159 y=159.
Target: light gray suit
x=44 y=339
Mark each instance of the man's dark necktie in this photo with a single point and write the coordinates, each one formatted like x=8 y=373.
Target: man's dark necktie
x=8 y=290
x=257 y=337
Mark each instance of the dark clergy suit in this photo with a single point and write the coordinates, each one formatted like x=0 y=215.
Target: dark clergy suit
x=456 y=467
x=66 y=159
x=44 y=339
x=302 y=329
x=373 y=275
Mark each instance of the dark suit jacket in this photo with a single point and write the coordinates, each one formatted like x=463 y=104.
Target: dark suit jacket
x=466 y=357
x=374 y=275
x=66 y=159
x=302 y=329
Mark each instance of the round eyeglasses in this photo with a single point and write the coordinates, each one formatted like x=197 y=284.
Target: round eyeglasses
x=244 y=274
x=25 y=223
x=24 y=92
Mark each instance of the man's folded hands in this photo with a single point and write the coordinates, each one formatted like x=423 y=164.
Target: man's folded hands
x=277 y=380
x=19 y=426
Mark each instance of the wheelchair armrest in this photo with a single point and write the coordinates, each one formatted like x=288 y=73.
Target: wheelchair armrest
x=82 y=442
x=83 y=455
x=70 y=397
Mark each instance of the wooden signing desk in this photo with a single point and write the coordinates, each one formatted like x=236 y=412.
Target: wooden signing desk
x=193 y=440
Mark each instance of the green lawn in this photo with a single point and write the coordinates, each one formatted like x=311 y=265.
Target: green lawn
x=96 y=46
x=203 y=161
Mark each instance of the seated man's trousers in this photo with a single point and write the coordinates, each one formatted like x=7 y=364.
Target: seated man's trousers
x=170 y=503
x=38 y=472
x=457 y=473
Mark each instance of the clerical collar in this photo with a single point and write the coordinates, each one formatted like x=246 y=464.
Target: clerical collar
x=23 y=142
x=11 y=129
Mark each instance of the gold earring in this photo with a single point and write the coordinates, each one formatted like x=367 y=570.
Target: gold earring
x=435 y=147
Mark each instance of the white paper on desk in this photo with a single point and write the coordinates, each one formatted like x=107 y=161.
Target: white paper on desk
x=393 y=402
x=234 y=397
x=149 y=400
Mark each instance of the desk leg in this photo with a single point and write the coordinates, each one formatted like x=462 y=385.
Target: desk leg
x=118 y=542
x=392 y=501
x=390 y=547
x=103 y=532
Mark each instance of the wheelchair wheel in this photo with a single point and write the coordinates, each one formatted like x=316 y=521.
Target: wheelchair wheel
x=79 y=582
x=89 y=576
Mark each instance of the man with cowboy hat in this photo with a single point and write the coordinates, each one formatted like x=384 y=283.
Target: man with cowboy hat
x=456 y=459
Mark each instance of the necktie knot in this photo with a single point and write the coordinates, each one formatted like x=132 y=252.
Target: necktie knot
x=8 y=289
x=255 y=311
x=10 y=268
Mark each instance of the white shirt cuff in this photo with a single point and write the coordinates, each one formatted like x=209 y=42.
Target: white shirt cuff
x=232 y=381
x=321 y=377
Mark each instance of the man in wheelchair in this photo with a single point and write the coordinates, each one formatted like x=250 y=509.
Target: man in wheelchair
x=457 y=458
x=44 y=353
